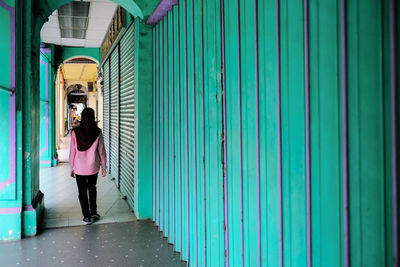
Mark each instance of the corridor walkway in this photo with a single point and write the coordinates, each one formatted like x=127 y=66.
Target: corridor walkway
x=63 y=151
x=117 y=239
x=61 y=199
x=135 y=244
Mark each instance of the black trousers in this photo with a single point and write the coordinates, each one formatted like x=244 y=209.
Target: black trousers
x=87 y=183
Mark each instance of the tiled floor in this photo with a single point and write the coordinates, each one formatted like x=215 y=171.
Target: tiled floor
x=61 y=199
x=63 y=152
x=135 y=243
x=117 y=239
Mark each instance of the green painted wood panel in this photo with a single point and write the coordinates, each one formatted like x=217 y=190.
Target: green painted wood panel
x=154 y=140
x=367 y=171
x=268 y=105
x=191 y=119
x=179 y=56
x=192 y=156
x=157 y=115
x=233 y=108
x=293 y=134
x=213 y=135
x=177 y=133
x=183 y=128
x=166 y=128
x=249 y=133
x=326 y=156
x=387 y=125
x=171 y=130
x=198 y=53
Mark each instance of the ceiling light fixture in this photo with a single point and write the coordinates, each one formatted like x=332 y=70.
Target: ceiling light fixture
x=73 y=19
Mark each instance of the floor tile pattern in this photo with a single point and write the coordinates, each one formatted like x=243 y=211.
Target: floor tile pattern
x=61 y=202
x=136 y=243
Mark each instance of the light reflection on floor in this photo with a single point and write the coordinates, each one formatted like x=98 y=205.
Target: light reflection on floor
x=61 y=199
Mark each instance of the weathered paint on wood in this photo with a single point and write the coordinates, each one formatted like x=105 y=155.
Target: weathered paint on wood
x=282 y=67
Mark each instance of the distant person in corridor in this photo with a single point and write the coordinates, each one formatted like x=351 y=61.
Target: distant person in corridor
x=86 y=156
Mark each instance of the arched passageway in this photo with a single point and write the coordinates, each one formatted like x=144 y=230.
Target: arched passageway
x=273 y=124
x=79 y=79
x=20 y=192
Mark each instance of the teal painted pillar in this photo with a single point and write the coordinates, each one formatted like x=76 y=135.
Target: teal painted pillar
x=21 y=202
x=47 y=109
x=28 y=117
x=10 y=185
x=143 y=109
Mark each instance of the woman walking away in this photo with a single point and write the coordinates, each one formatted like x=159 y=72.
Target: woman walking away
x=86 y=156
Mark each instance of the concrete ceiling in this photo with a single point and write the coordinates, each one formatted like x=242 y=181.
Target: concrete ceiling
x=80 y=72
x=100 y=15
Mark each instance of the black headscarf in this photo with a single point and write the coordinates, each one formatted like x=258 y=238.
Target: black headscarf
x=87 y=132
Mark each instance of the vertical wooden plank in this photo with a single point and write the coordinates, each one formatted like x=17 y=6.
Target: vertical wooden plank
x=307 y=128
x=204 y=188
x=345 y=162
x=366 y=134
x=165 y=126
x=293 y=133
x=394 y=127
x=183 y=112
x=213 y=126
x=249 y=134
x=233 y=132
x=171 y=139
x=279 y=115
x=269 y=133
x=226 y=223
x=199 y=206
x=191 y=132
x=177 y=130
x=153 y=193
x=257 y=92
x=167 y=99
x=158 y=127
x=162 y=127
x=389 y=236
x=325 y=133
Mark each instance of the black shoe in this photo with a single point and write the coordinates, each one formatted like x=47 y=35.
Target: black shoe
x=87 y=221
x=95 y=216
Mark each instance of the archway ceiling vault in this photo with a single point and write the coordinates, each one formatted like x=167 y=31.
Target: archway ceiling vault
x=80 y=72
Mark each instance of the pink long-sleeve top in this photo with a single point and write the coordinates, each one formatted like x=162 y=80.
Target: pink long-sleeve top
x=87 y=162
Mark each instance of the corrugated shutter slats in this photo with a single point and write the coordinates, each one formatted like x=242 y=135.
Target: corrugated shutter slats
x=106 y=110
x=127 y=115
x=114 y=119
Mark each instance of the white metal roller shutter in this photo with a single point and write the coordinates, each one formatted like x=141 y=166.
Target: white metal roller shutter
x=114 y=118
x=127 y=114
x=106 y=110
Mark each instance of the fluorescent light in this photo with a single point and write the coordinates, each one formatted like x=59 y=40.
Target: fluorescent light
x=73 y=19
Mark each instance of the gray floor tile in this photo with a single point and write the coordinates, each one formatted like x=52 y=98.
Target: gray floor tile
x=61 y=198
x=57 y=222
x=135 y=243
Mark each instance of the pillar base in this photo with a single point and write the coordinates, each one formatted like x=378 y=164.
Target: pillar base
x=32 y=216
